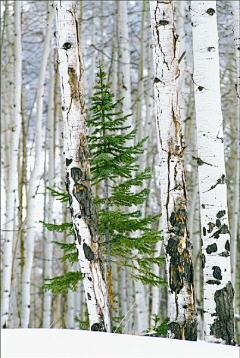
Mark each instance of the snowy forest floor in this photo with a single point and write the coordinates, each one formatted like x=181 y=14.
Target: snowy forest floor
x=70 y=343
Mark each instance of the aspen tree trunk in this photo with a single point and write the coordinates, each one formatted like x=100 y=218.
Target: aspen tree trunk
x=13 y=161
x=218 y=290
x=183 y=323
x=77 y=302
x=34 y=180
x=125 y=59
x=48 y=244
x=156 y=290
x=236 y=11
x=93 y=58
x=70 y=302
x=140 y=86
x=123 y=296
x=180 y=28
x=76 y=150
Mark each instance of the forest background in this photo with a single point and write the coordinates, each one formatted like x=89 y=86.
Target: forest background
x=119 y=34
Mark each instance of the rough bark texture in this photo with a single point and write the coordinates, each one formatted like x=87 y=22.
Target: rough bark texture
x=183 y=323
x=218 y=291
x=77 y=154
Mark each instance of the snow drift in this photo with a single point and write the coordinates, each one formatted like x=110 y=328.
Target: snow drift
x=72 y=343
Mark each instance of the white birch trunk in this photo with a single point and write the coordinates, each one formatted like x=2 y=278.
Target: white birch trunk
x=125 y=59
x=93 y=57
x=236 y=11
x=77 y=153
x=140 y=85
x=180 y=28
x=123 y=304
x=13 y=162
x=70 y=305
x=183 y=324
x=218 y=290
x=34 y=180
x=156 y=290
x=141 y=307
x=77 y=303
x=48 y=244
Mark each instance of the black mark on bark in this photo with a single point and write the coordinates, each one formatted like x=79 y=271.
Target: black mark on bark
x=163 y=22
x=210 y=227
x=210 y=11
x=67 y=46
x=223 y=326
x=68 y=162
x=218 y=223
x=217 y=272
x=219 y=181
x=175 y=329
x=221 y=213
x=222 y=230
x=203 y=258
x=227 y=245
x=98 y=327
x=213 y=282
x=211 y=248
x=89 y=254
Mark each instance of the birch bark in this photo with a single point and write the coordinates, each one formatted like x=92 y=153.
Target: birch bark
x=236 y=11
x=48 y=244
x=183 y=323
x=34 y=180
x=125 y=59
x=13 y=162
x=77 y=154
x=218 y=290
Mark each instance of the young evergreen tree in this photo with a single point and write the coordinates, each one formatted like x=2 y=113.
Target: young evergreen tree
x=114 y=164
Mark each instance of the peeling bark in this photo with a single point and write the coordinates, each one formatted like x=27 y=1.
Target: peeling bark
x=183 y=322
x=212 y=176
x=77 y=154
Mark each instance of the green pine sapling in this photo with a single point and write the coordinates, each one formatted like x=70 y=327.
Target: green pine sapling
x=115 y=169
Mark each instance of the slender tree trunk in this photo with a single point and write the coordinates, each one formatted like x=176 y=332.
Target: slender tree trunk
x=13 y=161
x=183 y=323
x=34 y=180
x=76 y=150
x=70 y=302
x=48 y=244
x=180 y=28
x=236 y=133
x=140 y=85
x=125 y=59
x=93 y=59
x=218 y=290
x=156 y=289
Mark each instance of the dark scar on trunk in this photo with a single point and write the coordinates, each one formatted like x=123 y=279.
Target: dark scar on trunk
x=223 y=325
x=89 y=254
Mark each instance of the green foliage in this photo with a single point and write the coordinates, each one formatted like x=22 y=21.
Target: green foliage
x=62 y=196
x=60 y=228
x=83 y=324
x=159 y=329
x=114 y=160
x=62 y=283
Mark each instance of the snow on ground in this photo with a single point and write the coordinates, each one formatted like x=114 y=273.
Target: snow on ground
x=65 y=343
